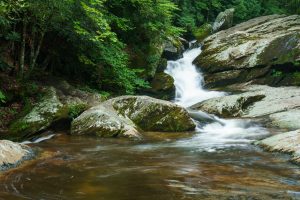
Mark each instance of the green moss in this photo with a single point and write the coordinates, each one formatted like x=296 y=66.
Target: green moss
x=202 y=32
x=75 y=110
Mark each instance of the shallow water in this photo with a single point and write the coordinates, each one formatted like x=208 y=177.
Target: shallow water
x=157 y=168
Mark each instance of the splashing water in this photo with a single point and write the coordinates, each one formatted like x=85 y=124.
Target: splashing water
x=220 y=133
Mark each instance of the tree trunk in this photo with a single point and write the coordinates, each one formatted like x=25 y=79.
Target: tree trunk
x=22 y=50
x=38 y=49
x=32 y=48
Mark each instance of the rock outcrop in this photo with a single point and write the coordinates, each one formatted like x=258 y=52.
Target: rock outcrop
x=127 y=116
x=13 y=154
x=60 y=102
x=251 y=51
x=286 y=143
x=224 y=20
x=281 y=105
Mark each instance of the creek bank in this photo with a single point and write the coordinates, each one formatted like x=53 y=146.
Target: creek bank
x=258 y=50
x=129 y=116
x=13 y=154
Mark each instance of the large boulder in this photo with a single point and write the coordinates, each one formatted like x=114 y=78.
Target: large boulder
x=279 y=104
x=12 y=154
x=286 y=143
x=250 y=50
x=224 y=20
x=46 y=111
x=127 y=115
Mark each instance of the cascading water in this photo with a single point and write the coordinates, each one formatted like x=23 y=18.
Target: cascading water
x=189 y=81
x=219 y=133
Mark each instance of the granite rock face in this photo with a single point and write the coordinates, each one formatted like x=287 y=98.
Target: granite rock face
x=250 y=50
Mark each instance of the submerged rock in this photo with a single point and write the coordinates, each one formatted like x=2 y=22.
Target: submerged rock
x=12 y=154
x=250 y=50
x=286 y=143
x=224 y=20
x=126 y=115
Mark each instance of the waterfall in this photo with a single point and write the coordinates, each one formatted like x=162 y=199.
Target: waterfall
x=216 y=133
x=188 y=80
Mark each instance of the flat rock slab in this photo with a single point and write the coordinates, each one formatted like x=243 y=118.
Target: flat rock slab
x=286 y=143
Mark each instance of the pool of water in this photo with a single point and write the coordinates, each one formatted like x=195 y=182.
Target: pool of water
x=162 y=167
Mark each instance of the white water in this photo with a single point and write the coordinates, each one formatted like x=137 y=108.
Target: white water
x=188 y=80
x=189 y=91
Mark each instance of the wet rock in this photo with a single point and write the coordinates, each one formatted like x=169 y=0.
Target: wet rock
x=162 y=86
x=127 y=115
x=254 y=47
x=224 y=20
x=286 y=143
x=13 y=154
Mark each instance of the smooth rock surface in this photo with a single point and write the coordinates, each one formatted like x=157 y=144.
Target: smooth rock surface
x=12 y=154
x=288 y=119
x=286 y=143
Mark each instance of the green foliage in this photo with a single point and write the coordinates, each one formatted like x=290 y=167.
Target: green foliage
x=75 y=110
x=2 y=97
x=276 y=73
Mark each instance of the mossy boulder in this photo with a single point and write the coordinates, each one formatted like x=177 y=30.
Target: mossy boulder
x=129 y=116
x=162 y=86
x=153 y=114
x=42 y=115
x=13 y=154
x=202 y=32
x=60 y=104
x=256 y=46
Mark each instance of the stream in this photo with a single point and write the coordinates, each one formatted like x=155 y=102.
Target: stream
x=217 y=161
